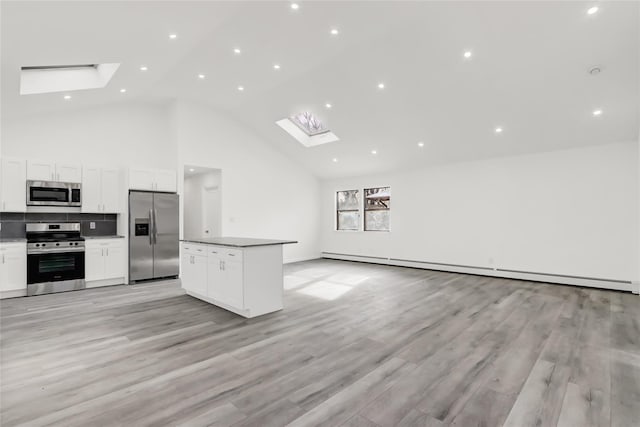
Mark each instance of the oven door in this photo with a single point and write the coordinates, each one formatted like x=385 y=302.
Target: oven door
x=55 y=266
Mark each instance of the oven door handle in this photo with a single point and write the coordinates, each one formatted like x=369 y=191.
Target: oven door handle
x=54 y=250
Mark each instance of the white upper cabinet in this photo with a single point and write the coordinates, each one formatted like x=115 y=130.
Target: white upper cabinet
x=13 y=189
x=68 y=172
x=153 y=180
x=39 y=170
x=166 y=180
x=100 y=189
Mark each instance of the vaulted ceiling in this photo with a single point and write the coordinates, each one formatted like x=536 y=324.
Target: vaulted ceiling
x=528 y=72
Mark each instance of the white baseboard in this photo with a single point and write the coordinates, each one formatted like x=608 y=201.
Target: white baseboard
x=106 y=282
x=618 y=285
x=13 y=293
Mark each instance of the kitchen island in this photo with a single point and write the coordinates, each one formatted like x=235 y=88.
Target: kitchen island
x=242 y=275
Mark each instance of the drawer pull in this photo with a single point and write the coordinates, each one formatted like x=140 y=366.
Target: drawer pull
x=232 y=254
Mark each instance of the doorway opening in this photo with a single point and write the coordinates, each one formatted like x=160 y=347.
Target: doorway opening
x=202 y=202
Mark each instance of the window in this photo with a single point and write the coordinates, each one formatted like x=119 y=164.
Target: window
x=347 y=209
x=376 y=208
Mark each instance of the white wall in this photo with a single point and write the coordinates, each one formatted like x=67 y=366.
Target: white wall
x=118 y=135
x=264 y=194
x=572 y=212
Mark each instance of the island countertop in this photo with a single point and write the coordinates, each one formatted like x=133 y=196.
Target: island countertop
x=238 y=242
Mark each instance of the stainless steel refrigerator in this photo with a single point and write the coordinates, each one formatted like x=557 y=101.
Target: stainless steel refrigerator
x=154 y=249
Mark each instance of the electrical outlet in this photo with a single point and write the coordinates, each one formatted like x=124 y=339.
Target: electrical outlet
x=92 y=225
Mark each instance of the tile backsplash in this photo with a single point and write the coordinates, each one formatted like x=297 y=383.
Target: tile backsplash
x=13 y=223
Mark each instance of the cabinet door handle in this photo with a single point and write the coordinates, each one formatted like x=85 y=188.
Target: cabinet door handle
x=107 y=251
x=232 y=254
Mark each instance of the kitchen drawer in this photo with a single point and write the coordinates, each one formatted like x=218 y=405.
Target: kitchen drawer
x=194 y=249
x=232 y=254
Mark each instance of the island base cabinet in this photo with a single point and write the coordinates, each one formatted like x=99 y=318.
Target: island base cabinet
x=245 y=281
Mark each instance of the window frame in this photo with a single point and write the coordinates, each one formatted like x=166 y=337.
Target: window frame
x=337 y=212
x=364 y=208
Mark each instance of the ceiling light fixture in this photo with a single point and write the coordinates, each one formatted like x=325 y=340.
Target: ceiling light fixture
x=592 y=10
x=276 y=66
x=201 y=76
x=192 y=170
x=380 y=85
x=240 y=88
x=420 y=144
x=335 y=160
x=143 y=68
x=67 y=97
x=123 y=90
x=328 y=106
x=597 y=112
x=467 y=54
x=173 y=36
x=295 y=6
x=334 y=32
x=498 y=130
x=237 y=51
x=374 y=152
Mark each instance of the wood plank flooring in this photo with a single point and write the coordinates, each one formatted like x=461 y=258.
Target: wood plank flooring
x=357 y=345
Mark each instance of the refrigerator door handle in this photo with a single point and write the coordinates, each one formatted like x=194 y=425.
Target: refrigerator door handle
x=151 y=226
x=155 y=227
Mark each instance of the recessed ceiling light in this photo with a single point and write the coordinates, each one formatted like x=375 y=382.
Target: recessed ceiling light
x=67 y=97
x=201 y=76
x=173 y=36
x=498 y=130
x=295 y=6
x=592 y=10
x=240 y=88
x=597 y=112
x=123 y=90
x=237 y=51
x=420 y=144
x=191 y=170
x=335 y=160
x=380 y=85
x=276 y=66
x=374 y=152
x=334 y=32
x=328 y=106
x=467 y=54
x=143 y=68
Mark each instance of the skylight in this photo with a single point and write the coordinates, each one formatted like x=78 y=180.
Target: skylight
x=65 y=78
x=307 y=129
x=309 y=123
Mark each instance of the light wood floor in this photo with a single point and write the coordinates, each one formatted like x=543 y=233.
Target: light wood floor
x=357 y=345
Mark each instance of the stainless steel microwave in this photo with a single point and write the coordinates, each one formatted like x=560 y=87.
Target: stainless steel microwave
x=50 y=193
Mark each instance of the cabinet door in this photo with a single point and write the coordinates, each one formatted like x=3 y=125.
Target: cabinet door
x=233 y=284
x=13 y=267
x=94 y=263
x=194 y=273
x=110 y=191
x=166 y=180
x=91 y=190
x=38 y=170
x=114 y=261
x=215 y=275
x=141 y=179
x=66 y=172
x=13 y=185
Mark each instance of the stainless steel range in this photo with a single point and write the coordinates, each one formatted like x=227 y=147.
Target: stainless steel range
x=55 y=258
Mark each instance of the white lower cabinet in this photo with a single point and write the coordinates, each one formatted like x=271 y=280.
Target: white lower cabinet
x=13 y=269
x=193 y=268
x=104 y=262
x=246 y=281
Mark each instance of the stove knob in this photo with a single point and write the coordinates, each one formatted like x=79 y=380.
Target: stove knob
x=76 y=243
x=44 y=244
x=37 y=245
x=70 y=243
x=57 y=244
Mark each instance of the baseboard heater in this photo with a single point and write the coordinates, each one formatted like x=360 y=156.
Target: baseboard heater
x=594 y=282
